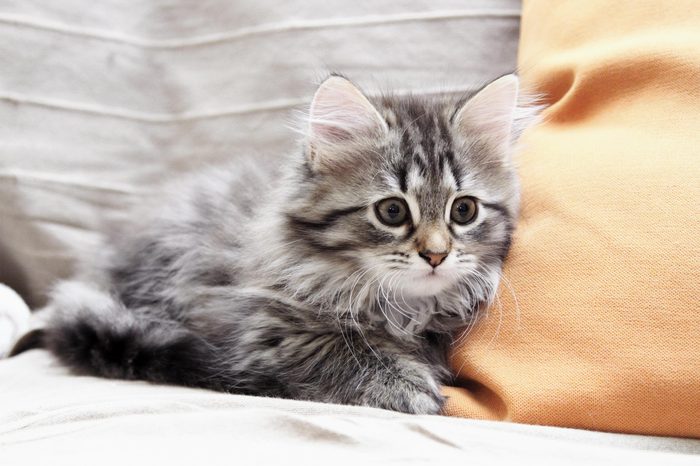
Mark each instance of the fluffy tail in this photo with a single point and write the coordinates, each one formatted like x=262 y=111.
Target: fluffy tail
x=94 y=333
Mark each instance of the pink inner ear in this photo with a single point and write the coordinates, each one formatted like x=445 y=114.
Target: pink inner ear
x=339 y=111
x=328 y=132
x=490 y=113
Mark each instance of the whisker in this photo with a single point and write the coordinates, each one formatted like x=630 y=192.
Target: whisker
x=396 y=267
x=392 y=302
x=500 y=322
x=507 y=284
x=364 y=338
x=381 y=309
x=353 y=315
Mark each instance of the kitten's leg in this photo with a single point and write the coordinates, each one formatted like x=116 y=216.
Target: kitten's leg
x=402 y=385
x=277 y=349
x=94 y=333
x=274 y=349
x=334 y=370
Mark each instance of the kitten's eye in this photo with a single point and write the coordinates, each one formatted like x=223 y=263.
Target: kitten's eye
x=464 y=210
x=392 y=211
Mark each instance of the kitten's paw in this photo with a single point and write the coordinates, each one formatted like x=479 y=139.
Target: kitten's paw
x=417 y=402
x=413 y=390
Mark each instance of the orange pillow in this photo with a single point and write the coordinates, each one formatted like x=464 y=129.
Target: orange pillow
x=602 y=328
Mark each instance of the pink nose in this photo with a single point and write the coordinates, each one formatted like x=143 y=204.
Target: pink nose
x=433 y=258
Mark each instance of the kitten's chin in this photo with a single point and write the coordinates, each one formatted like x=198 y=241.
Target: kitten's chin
x=426 y=284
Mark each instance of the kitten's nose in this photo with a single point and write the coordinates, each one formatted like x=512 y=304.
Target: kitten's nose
x=433 y=258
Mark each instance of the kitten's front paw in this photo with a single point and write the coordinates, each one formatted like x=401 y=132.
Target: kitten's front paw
x=411 y=391
x=417 y=402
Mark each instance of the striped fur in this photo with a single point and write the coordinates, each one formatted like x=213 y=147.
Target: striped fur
x=282 y=281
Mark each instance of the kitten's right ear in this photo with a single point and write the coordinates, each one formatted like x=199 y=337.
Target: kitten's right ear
x=340 y=113
x=490 y=114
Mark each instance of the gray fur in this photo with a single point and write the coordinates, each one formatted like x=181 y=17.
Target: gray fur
x=277 y=281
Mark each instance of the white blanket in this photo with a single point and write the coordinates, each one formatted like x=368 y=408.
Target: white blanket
x=50 y=417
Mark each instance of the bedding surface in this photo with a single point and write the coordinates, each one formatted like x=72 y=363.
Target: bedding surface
x=50 y=417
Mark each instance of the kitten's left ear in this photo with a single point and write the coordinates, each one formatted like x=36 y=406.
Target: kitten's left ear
x=339 y=114
x=489 y=115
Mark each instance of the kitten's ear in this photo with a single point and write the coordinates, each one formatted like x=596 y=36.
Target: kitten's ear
x=490 y=114
x=340 y=113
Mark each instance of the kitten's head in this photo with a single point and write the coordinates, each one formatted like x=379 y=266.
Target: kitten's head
x=410 y=197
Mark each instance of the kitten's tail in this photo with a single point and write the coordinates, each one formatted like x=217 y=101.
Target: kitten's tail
x=94 y=333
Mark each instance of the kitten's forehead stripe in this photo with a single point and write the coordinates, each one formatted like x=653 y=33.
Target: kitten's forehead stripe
x=425 y=138
x=419 y=162
x=447 y=154
x=402 y=174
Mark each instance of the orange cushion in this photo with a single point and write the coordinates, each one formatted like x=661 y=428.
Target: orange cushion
x=602 y=328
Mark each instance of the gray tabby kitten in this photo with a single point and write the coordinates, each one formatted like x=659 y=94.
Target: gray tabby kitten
x=337 y=277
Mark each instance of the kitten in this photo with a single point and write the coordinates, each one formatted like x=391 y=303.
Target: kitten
x=336 y=277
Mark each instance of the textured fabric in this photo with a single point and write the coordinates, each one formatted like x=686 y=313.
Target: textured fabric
x=98 y=101
x=598 y=324
x=49 y=417
x=14 y=318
